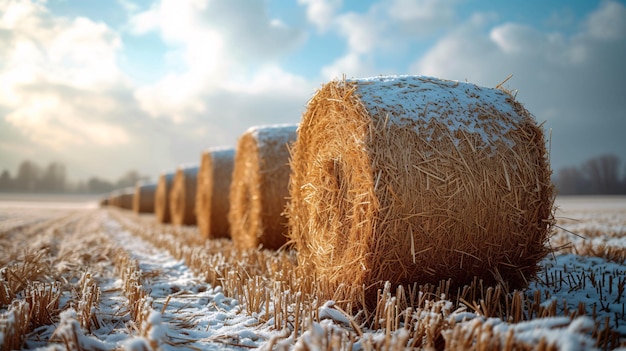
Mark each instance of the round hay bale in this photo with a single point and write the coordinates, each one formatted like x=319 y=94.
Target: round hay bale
x=212 y=202
x=162 y=197
x=143 y=201
x=104 y=202
x=416 y=180
x=113 y=199
x=124 y=198
x=260 y=186
x=183 y=195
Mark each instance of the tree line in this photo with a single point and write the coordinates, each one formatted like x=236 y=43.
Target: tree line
x=32 y=178
x=600 y=175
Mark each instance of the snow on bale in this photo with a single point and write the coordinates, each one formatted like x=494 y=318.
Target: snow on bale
x=162 y=197
x=415 y=180
x=143 y=201
x=183 y=195
x=212 y=197
x=260 y=186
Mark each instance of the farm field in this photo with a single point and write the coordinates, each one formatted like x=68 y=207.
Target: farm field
x=74 y=276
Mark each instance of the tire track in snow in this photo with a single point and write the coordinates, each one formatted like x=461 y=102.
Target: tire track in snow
x=194 y=314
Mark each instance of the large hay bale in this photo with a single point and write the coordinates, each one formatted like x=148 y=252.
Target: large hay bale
x=212 y=202
x=183 y=195
x=415 y=179
x=260 y=186
x=143 y=201
x=162 y=197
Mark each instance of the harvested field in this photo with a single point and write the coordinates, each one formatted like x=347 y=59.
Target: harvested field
x=83 y=278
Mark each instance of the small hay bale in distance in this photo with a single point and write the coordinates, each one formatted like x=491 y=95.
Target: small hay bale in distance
x=145 y=194
x=162 y=197
x=212 y=197
x=123 y=198
x=260 y=187
x=113 y=199
x=415 y=180
x=183 y=195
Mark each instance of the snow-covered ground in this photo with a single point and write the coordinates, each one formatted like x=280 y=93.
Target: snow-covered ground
x=186 y=313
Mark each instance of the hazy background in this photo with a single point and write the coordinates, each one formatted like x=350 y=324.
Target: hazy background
x=104 y=87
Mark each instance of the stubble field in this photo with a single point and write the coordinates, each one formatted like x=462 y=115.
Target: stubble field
x=77 y=277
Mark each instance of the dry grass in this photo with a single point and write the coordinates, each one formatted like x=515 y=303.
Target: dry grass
x=382 y=194
x=272 y=287
x=212 y=199
x=284 y=297
x=259 y=187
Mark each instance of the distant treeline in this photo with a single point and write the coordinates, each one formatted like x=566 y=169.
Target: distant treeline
x=32 y=178
x=599 y=175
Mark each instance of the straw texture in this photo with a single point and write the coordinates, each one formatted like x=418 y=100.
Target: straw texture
x=212 y=197
x=143 y=201
x=259 y=187
x=415 y=179
x=183 y=195
x=162 y=197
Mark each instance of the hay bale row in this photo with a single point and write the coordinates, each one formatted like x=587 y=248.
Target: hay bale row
x=183 y=195
x=212 y=196
x=260 y=187
x=417 y=179
x=403 y=179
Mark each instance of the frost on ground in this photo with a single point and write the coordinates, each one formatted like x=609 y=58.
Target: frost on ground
x=109 y=279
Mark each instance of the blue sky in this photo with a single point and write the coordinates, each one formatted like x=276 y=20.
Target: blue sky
x=111 y=85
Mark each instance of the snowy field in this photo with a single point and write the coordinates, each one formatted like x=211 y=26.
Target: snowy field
x=78 y=277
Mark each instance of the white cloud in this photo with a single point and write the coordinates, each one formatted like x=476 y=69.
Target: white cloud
x=352 y=65
x=387 y=28
x=608 y=22
x=321 y=12
x=43 y=60
x=563 y=78
x=421 y=16
x=224 y=46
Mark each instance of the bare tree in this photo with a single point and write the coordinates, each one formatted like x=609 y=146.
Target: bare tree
x=27 y=176
x=129 y=179
x=54 y=178
x=6 y=183
x=603 y=174
x=571 y=180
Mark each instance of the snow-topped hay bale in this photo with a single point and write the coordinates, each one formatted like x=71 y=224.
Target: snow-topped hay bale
x=260 y=186
x=183 y=195
x=162 y=197
x=415 y=179
x=212 y=202
x=143 y=201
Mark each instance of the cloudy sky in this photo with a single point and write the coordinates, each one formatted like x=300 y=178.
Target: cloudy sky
x=111 y=85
